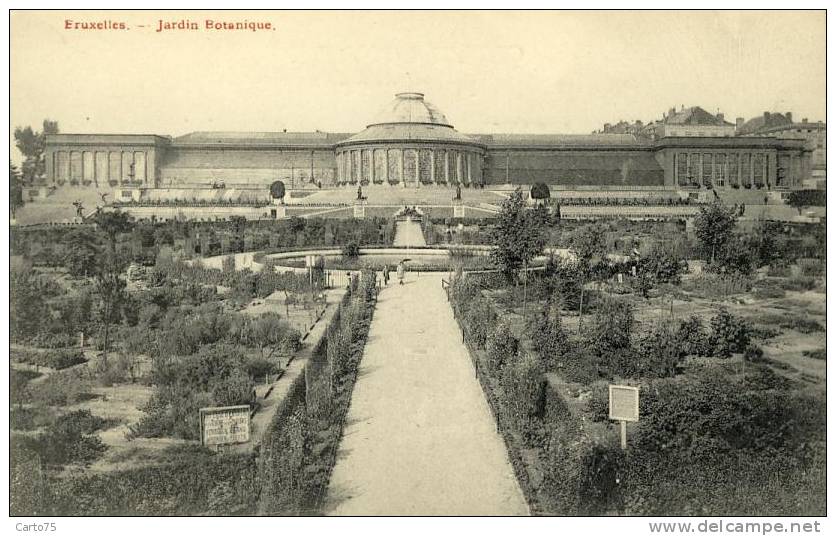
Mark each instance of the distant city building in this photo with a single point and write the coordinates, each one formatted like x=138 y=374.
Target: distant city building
x=778 y=125
x=693 y=122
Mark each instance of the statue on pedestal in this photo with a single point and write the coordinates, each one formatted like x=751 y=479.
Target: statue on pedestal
x=458 y=192
x=360 y=192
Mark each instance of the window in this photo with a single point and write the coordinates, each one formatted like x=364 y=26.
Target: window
x=707 y=162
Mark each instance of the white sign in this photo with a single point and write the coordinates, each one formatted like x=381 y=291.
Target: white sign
x=359 y=211
x=225 y=425
x=458 y=211
x=624 y=403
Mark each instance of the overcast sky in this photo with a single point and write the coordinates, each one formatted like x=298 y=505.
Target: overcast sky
x=519 y=72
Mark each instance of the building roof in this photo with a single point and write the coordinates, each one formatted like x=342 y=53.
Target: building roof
x=762 y=122
x=559 y=140
x=304 y=139
x=405 y=132
x=410 y=108
x=696 y=116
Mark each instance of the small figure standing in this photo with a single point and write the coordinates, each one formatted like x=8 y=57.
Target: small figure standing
x=401 y=272
x=386 y=275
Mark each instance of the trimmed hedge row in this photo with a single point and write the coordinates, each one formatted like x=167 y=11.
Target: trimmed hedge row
x=560 y=469
x=300 y=447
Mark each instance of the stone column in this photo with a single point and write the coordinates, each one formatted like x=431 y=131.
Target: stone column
x=386 y=162
x=417 y=168
x=403 y=166
x=371 y=166
x=447 y=166
x=432 y=166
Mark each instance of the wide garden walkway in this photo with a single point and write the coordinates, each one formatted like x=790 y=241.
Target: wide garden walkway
x=419 y=438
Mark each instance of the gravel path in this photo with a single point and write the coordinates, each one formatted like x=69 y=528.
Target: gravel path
x=419 y=437
x=408 y=233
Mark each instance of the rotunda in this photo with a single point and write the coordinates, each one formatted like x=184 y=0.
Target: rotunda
x=410 y=144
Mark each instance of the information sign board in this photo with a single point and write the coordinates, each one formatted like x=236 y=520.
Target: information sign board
x=225 y=425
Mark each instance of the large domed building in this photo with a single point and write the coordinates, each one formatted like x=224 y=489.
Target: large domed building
x=410 y=143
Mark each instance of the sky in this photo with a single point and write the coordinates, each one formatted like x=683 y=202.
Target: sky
x=513 y=72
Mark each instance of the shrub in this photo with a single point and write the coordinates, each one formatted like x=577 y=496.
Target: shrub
x=658 y=354
x=798 y=283
x=765 y=293
x=29 y=418
x=579 y=366
x=811 y=267
x=548 y=336
x=729 y=334
x=753 y=353
x=62 y=389
x=480 y=320
x=820 y=354
x=68 y=440
x=502 y=346
x=611 y=328
x=691 y=337
x=802 y=324
x=54 y=359
x=525 y=390
x=351 y=250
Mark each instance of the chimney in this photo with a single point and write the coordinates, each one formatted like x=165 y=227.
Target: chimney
x=789 y=116
x=766 y=116
x=721 y=117
x=738 y=123
x=804 y=120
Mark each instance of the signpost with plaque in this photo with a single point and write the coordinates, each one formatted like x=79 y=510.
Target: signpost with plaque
x=624 y=407
x=224 y=425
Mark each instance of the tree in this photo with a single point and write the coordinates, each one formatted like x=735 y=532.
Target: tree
x=82 y=253
x=112 y=224
x=27 y=309
x=277 y=190
x=15 y=189
x=714 y=226
x=540 y=190
x=518 y=236
x=110 y=288
x=589 y=245
x=32 y=146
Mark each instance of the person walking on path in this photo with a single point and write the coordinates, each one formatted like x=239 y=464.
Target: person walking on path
x=386 y=275
x=401 y=270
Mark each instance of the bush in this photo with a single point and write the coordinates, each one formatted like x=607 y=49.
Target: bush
x=54 y=359
x=502 y=346
x=657 y=355
x=798 y=284
x=480 y=320
x=820 y=354
x=62 y=389
x=753 y=353
x=29 y=418
x=68 y=440
x=548 y=337
x=802 y=324
x=766 y=293
x=525 y=390
x=691 y=337
x=729 y=334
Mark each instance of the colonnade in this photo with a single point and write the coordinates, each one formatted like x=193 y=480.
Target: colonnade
x=409 y=166
x=102 y=167
x=738 y=169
